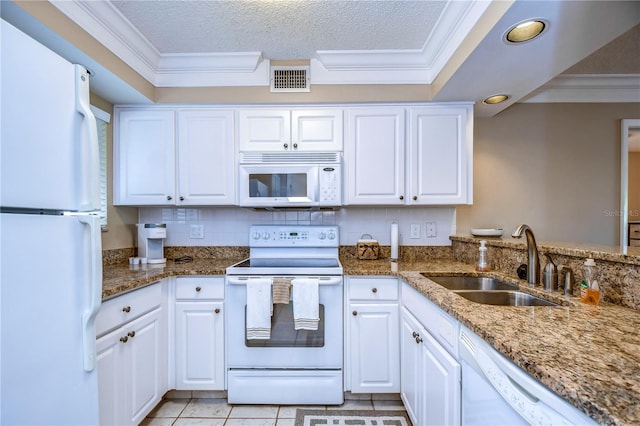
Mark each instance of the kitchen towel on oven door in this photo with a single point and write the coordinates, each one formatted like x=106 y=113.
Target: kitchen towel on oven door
x=259 y=308
x=306 y=311
x=281 y=290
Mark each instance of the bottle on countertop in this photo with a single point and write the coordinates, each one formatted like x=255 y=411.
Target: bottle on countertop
x=589 y=288
x=483 y=263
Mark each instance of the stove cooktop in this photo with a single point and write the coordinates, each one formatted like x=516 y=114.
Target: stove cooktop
x=286 y=266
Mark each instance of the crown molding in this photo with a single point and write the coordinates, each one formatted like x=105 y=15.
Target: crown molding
x=105 y=23
x=226 y=69
x=588 y=88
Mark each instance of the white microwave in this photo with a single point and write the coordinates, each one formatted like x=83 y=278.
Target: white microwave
x=290 y=181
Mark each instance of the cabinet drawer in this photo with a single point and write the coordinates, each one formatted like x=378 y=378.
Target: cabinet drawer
x=122 y=309
x=373 y=288
x=634 y=231
x=195 y=288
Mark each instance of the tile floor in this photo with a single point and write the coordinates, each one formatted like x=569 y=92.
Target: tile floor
x=217 y=412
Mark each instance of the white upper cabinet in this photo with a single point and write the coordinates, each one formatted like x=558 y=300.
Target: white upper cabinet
x=435 y=168
x=164 y=157
x=206 y=166
x=440 y=160
x=374 y=156
x=290 y=130
x=144 y=157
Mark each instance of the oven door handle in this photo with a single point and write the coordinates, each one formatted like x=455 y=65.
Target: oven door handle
x=242 y=280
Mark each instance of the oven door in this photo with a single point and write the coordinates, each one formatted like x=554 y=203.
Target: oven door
x=286 y=348
x=278 y=185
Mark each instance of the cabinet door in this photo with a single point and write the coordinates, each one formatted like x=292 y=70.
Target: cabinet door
x=144 y=153
x=206 y=166
x=410 y=351
x=375 y=156
x=374 y=351
x=430 y=376
x=316 y=130
x=440 y=157
x=441 y=374
x=146 y=365
x=264 y=130
x=199 y=346
x=109 y=359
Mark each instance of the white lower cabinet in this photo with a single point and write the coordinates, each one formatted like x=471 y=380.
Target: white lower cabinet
x=372 y=348
x=199 y=333
x=430 y=376
x=132 y=359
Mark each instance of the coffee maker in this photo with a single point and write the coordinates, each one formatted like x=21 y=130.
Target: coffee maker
x=151 y=241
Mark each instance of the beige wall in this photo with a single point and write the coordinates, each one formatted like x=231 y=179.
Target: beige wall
x=554 y=167
x=120 y=220
x=634 y=186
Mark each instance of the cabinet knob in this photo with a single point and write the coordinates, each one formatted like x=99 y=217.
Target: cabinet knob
x=126 y=309
x=374 y=290
x=402 y=197
x=418 y=340
x=414 y=334
x=181 y=198
x=286 y=146
x=295 y=146
x=169 y=198
x=124 y=339
x=415 y=197
x=198 y=289
x=217 y=310
x=354 y=313
x=131 y=334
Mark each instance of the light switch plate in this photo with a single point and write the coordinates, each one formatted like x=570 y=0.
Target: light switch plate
x=432 y=231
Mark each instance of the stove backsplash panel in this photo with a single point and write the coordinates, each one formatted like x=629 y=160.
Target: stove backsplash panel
x=229 y=226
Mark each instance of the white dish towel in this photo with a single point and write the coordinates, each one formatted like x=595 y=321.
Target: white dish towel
x=305 y=297
x=259 y=308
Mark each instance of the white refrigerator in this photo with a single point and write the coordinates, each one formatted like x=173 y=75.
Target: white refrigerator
x=50 y=238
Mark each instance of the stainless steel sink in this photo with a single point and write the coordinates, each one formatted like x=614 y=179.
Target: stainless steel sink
x=471 y=283
x=504 y=298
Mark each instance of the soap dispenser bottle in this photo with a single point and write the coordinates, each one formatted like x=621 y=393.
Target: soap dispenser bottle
x=483 y=264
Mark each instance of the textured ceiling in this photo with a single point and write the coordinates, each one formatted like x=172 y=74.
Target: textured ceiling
x=282 y=29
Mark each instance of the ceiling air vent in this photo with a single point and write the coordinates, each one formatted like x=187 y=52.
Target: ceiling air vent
x=290 y=79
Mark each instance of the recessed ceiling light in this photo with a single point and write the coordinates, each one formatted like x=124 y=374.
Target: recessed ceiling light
x=495 y=99
x=525 y=31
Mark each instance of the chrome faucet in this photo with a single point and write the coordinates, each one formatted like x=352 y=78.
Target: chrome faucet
x=533 y=264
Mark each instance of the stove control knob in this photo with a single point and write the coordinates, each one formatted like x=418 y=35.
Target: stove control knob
x=332 y=235
x=256 y=236
x=322 y=236
x=265 y=236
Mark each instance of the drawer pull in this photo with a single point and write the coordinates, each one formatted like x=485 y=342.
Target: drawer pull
x=198 y=289
x=131 y=334
x=126 y=309
x=217 y=310
x=124 y=339
x=374 y=290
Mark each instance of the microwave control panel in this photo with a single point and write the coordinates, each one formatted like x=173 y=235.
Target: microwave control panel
x=330 y=186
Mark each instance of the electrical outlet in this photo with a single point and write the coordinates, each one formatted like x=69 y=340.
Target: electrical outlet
x=415 y=230
x=432 y=231
x=196 y=231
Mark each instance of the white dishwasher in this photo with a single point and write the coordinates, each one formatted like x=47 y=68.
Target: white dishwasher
x=496 y=391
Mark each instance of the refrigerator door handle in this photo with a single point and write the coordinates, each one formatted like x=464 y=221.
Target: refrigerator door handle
x=91 y=164
x=95 y=292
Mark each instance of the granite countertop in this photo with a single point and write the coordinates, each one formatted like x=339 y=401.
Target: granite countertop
x=589 y=355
